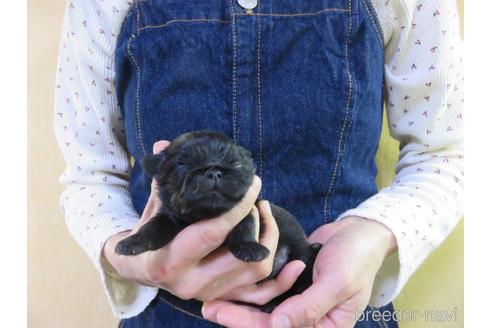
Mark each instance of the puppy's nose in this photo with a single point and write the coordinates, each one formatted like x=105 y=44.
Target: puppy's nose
x=214 y=174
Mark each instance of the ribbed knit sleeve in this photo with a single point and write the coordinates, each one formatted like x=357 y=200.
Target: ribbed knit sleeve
x=424 y=81
x=89 y=129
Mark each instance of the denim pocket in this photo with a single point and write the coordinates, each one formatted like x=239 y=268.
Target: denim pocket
x=183 y=68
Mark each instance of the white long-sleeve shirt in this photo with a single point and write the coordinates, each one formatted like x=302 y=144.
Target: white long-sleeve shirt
x=424 y=101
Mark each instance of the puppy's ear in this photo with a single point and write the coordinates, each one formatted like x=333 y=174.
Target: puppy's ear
x=151 y=163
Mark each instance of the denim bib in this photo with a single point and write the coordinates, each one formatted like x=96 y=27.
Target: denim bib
x=298 y=83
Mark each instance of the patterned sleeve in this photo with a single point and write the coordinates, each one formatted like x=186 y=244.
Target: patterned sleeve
x=424 y=82
x=89 y=129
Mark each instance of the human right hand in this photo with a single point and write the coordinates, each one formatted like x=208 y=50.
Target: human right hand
x=353 y=251
x=195 y=264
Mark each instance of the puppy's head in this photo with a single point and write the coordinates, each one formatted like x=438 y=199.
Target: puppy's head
x=203 y=174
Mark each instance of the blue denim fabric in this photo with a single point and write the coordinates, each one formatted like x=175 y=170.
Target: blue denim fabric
x=298 y=83
x=163 y=314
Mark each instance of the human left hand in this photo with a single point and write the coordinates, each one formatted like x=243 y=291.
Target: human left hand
x=343 y=275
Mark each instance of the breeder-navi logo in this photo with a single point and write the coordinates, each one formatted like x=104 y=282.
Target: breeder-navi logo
x=401 y=315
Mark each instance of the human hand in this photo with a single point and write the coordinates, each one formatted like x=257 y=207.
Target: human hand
x=343 y=275
x=194 y=264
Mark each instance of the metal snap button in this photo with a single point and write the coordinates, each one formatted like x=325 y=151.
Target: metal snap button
x=248 y=4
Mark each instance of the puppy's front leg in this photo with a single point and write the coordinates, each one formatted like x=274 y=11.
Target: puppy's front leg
x=242 y=241
x=153 y=235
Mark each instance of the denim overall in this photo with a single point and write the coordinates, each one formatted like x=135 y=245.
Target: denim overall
x=299 y=83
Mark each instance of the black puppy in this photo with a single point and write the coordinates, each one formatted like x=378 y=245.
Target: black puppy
x=201 y=175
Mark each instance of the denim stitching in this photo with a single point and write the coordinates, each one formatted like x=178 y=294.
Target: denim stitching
x=137 y=96
x=347 y=107
x=381 y=42
x=178 y=308
x=377 y=21
x=299 y=14
x=138 y=17
x=258 y=81
x=129 y=12
x=234 y=80
x=383 y=325
x=348 y=129
x=193 y=20
x=161 y=298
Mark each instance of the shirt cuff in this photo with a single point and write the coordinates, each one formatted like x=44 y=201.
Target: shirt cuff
x=127 y=298
x=394 y=271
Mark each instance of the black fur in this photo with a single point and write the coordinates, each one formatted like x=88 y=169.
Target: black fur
x=201 y=175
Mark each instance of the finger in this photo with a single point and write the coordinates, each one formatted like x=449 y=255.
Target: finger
x=270 y=235
x=323 y=233
x=269 y=239
x=229 y=273
x=219 y=273
x=151 y=208
x=238 y=316
x=264 y=292
x=201 y=238
x=215 y=275
x=346 y=313
x=326 y=322
x=153 y=203
x=160 y=146
x=210 y=309
x=308 y=308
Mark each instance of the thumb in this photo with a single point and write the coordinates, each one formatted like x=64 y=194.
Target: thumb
x=160 y=146
x=153 y=202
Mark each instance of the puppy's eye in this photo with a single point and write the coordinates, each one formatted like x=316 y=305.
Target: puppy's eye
x=200 y=170
x=236 y=165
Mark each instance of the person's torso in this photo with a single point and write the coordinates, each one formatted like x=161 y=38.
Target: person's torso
x=298 y=83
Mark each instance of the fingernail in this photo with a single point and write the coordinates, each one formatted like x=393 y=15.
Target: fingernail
x=207 y=311
x=281 y=321
x=300 y=268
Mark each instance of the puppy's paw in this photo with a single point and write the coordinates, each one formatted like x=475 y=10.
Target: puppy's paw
x=132 y=245
x=316 y=247
x=269 y=307
x=249 y=251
